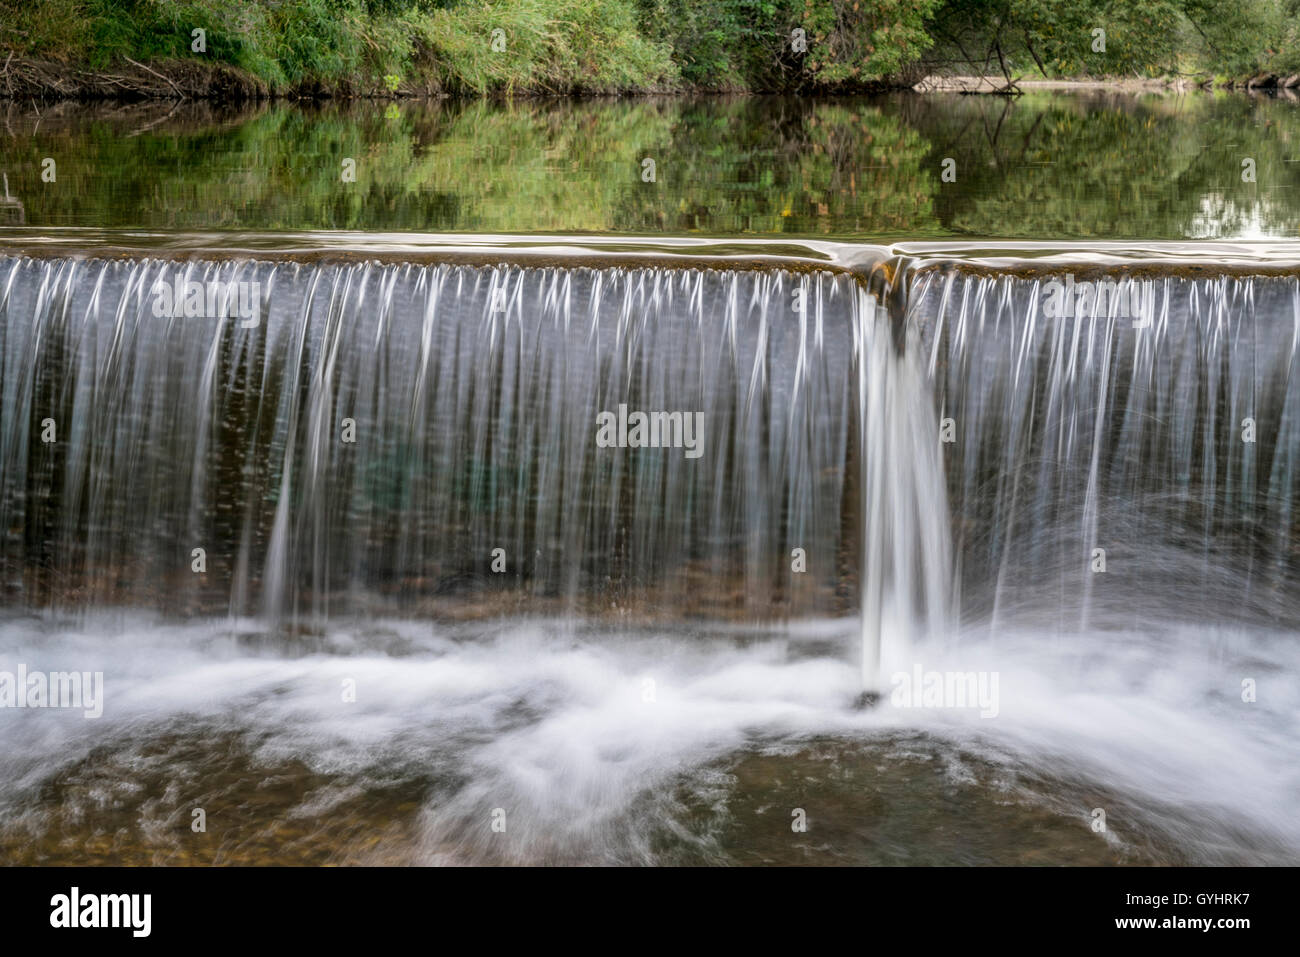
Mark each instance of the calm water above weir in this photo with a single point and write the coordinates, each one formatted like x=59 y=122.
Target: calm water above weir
x=1043 y=166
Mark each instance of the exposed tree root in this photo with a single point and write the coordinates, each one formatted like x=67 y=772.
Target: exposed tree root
x=23 y=78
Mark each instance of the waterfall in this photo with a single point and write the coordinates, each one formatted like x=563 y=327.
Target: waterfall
x=360 y=438
x=375 y=433
x=614 y=545
x=1133 y=460
x=906 y=550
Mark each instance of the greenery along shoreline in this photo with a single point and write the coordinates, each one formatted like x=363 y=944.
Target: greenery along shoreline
x=231 y=49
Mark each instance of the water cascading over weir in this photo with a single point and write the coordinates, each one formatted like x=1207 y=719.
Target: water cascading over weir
x=897 y=434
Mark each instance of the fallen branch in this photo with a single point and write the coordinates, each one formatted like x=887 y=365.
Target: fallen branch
x=157 y=74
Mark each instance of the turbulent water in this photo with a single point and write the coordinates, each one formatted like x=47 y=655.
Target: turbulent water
x=437 y=618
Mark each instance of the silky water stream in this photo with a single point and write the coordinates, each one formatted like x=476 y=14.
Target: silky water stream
x=528 y=551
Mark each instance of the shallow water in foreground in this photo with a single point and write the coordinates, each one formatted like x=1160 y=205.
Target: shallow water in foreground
x=642 y=747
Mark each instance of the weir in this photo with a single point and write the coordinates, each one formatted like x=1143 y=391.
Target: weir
x=1118 y=466
x=902 y=435
x=387 y=430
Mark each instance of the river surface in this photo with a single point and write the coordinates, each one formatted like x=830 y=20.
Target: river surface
x=1047 y=165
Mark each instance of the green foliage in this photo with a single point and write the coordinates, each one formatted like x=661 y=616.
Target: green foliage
x=606 y=46
x=1062 y=37
x=723 y=44
x=728 y=44
x=1141 y=37
x=701 y=34
x=1285 y=54
x=852 y=41
x=53 y=28
x=1242 y=37
x=553 y=46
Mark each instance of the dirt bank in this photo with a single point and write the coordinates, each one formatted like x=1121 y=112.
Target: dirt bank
x=23 y=78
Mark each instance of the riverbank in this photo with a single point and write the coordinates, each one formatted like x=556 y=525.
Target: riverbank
x=26 y=79
x=331 y=49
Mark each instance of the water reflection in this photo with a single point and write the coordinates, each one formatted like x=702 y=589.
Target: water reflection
x=1047 y=165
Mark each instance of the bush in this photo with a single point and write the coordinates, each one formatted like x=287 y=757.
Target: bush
x=555 y=46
